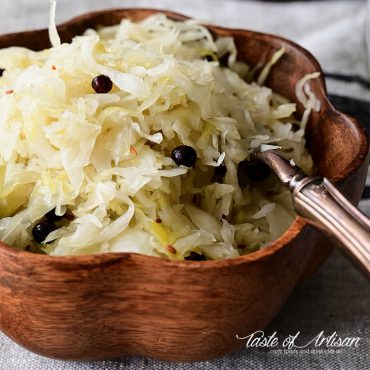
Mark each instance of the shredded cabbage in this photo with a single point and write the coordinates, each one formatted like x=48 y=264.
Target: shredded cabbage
x=103 y=161
x=53 y=32
x=306 y=97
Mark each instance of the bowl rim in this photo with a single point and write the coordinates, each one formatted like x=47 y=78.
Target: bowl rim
x=298 y=224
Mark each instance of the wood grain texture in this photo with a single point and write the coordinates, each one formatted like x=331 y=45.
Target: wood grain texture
x=108 y=305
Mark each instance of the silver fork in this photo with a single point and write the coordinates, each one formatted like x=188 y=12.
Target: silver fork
x=318 y=201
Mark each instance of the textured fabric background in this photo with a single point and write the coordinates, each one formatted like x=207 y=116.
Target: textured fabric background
x=336 y=298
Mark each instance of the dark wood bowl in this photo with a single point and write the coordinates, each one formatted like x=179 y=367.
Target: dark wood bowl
x=108 y=305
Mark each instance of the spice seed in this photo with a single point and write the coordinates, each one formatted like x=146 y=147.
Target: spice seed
x=171 y=248
x=133 y=150
x=102 y=84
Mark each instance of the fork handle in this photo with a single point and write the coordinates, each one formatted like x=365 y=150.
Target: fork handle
x=318 y=201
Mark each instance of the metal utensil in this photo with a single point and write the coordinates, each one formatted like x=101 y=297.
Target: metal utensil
x=321 y=204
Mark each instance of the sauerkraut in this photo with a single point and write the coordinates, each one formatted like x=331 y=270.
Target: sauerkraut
x=102 y=162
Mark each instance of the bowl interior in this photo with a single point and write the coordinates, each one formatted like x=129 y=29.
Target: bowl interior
x=337 y=143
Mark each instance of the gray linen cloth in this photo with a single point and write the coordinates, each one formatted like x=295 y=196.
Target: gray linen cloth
x=337 y=297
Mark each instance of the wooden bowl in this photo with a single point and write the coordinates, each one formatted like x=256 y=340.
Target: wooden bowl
x=108 y=305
